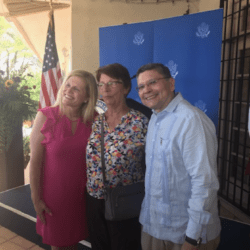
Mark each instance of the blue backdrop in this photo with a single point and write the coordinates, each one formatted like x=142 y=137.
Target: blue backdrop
x=189 y=45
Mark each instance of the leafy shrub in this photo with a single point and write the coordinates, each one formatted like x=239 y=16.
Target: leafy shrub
x=26 y=150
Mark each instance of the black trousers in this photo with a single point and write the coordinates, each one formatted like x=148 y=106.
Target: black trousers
x=111 y=235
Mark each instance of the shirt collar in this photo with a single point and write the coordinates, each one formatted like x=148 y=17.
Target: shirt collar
x=172 y=105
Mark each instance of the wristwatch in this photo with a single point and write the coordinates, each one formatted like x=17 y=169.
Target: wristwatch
x=192 y=241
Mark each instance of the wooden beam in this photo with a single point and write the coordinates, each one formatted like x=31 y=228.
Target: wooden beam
x=26 y=37
x=22 y=8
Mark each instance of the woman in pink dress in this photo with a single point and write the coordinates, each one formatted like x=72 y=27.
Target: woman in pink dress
x=58 y=162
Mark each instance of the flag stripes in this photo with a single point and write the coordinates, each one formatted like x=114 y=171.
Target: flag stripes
x=51 y=76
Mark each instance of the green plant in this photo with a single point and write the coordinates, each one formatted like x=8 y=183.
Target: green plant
x=26 y=150
x=19 y=83
x=16 y=105
x=34 y=83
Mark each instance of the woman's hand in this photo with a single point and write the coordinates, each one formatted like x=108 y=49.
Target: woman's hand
x=41 y=208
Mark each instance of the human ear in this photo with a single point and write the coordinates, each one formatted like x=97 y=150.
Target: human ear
x=172 y=84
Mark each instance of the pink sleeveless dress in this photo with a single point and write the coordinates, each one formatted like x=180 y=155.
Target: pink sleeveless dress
x=64 y=182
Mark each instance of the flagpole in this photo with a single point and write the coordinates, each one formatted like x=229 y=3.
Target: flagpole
x=51 y=79
x=51 y=12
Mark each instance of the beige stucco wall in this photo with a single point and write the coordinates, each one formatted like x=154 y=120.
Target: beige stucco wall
x=206 y=5
x=89 y=15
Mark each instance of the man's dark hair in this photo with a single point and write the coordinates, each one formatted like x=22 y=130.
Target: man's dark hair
x=159 y=67
x=116 y=71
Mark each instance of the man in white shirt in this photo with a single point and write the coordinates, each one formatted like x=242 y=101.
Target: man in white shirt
x=179 y=210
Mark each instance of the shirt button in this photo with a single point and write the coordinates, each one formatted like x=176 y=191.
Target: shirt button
x=157 y=123
x=151 y=156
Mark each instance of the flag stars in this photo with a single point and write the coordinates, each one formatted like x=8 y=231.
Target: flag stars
x=50 y=57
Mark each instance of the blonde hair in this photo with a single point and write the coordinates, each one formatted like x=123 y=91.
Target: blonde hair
x=88 y=108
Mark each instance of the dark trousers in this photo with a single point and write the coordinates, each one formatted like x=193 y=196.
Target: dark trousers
x=111 y=235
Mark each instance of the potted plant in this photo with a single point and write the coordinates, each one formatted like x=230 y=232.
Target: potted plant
x=16 y=106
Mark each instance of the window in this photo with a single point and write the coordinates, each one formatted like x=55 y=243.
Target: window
x=244 y=65
x=245 y=19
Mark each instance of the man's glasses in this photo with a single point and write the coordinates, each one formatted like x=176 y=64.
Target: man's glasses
x=111 y=84
x=151 y=83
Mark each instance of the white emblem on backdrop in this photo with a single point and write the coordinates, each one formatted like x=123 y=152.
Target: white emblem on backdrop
x=138 y=38
x=201 y=105
x=203 y=30
x=173 y=68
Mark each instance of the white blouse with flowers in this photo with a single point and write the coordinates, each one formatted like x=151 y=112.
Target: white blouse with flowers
x=124 y=153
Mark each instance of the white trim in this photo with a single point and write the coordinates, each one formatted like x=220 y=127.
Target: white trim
x=85 y=243
x=13 y=188
x=18 y=212
x=235 y=211
x=234 y=220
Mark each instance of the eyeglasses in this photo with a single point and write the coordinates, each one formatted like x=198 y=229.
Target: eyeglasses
x=151 y=83
x=111 y=84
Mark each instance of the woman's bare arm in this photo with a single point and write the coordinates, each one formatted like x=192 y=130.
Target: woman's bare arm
x=36 y=158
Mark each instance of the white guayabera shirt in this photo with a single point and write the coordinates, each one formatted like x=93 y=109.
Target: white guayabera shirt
x=181 y=175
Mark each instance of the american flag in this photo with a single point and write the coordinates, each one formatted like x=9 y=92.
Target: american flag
x=51 y=72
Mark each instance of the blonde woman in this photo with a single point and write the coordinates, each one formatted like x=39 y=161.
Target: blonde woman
x=58 y=162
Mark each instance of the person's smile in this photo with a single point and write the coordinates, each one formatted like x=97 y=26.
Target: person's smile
x=68 y=97
x=150 y=97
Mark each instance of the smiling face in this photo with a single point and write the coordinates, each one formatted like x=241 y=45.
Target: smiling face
x=112 y=95
x=74 y=92
x=156 y=96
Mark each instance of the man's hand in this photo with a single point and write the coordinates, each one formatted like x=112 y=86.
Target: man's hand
x=187 y=246
x=41 y=209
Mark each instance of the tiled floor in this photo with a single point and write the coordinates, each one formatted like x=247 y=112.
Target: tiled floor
x=11 y=241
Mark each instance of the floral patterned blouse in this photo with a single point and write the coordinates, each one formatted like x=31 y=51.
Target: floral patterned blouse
x=124 y=152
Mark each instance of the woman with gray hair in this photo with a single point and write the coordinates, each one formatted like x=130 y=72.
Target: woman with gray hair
x=58 y=162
